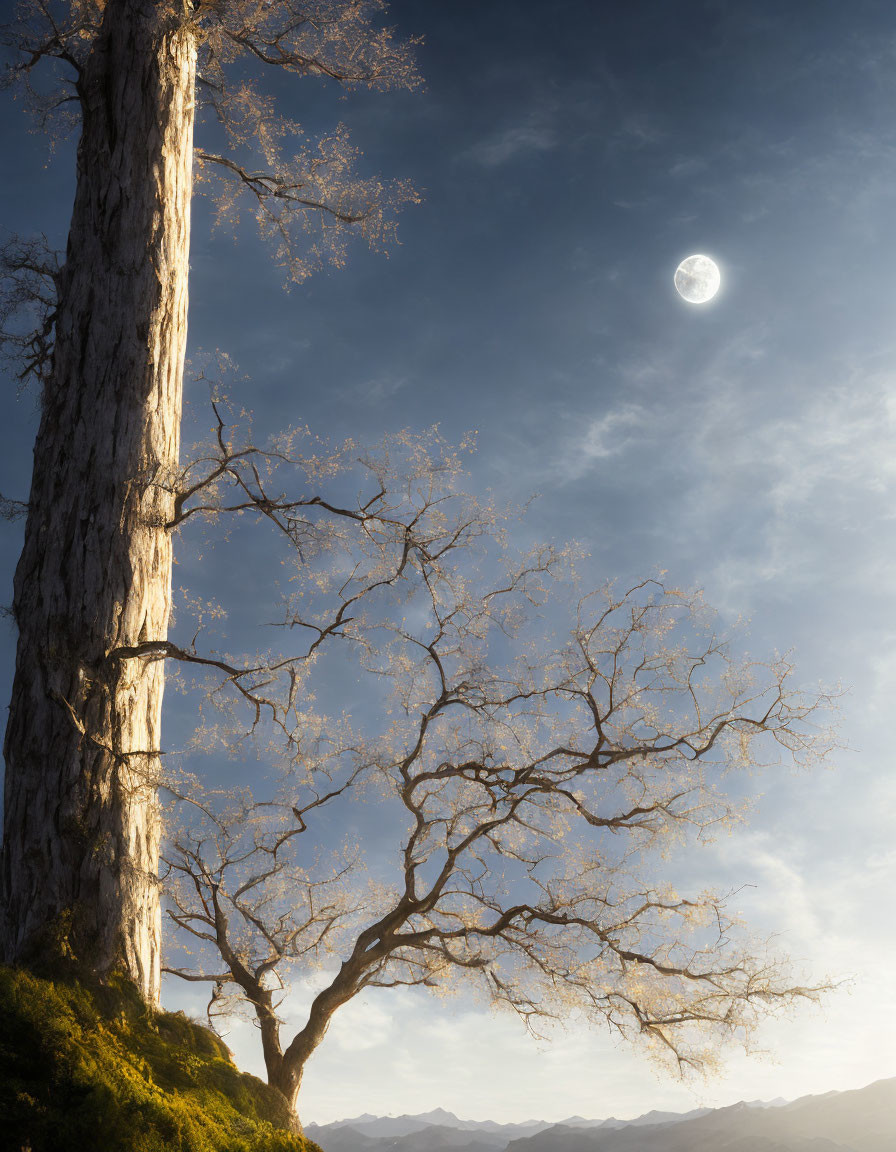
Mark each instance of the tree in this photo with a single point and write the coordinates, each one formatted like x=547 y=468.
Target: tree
x=527 y=787
x=81 y=832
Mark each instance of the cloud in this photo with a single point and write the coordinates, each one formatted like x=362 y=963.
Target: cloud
x=602 y=437
x=823 y=904
x=837 y=443
x=378 y=388
x=360 y=1026
x=763 y=467
x=636 y=130
x=819 y=472
x=882 y=667
x=499 y=148
x=375 y=389
x=688 y=167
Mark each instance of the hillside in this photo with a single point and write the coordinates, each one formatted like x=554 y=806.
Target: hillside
x=94 y=1070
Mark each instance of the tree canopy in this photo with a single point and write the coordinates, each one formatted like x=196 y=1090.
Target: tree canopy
x=528 y=783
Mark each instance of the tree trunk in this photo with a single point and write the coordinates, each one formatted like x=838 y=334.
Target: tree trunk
x=288 y=1081
x=80 y=848
x=286 y=1069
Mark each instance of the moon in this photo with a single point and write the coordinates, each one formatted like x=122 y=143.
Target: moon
x=697 y=279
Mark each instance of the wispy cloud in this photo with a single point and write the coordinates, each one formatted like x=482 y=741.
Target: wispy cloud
x=602 y=437
x=817 y=475
x=636 y=129
x=376 y=389
x=534 y=135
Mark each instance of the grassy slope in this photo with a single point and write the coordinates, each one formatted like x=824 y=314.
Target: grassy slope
x=84 y=1069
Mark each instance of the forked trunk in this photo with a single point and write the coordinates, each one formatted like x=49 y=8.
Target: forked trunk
x=80 y=847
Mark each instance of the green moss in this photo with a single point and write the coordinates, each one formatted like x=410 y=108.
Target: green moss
x=84 y=1068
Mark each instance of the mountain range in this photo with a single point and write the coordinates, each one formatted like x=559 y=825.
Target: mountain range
x=863 y=1120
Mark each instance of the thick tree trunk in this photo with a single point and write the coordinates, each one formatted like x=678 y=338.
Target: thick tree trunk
x=288 y=1081
x=80 y=848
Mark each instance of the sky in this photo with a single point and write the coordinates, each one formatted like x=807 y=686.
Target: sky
x=569 y=156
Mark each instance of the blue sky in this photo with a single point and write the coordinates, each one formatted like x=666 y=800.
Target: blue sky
x=570 y=155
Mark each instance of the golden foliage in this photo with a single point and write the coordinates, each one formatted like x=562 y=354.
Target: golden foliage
x=530 y=786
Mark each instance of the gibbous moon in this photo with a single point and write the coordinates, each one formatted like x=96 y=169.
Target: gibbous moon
x=697 y=279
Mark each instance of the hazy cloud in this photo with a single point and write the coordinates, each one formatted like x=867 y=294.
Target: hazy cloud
x=601 y=437
x=378 y=388
x=532 y=136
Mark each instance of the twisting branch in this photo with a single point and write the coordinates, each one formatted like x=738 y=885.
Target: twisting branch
x=278 y=186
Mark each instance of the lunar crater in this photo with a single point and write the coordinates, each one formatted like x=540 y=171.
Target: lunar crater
x=697 y=279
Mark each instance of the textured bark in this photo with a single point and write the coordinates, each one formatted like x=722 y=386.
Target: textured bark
x=80 y=848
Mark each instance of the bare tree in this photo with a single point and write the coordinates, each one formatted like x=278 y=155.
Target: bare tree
x=528 y=787
x=81 y=832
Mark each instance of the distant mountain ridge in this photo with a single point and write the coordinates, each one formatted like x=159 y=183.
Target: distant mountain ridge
x=391 y=1126
x=862 y=1120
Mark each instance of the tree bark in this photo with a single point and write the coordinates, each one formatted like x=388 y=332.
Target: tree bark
x=81 y=826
